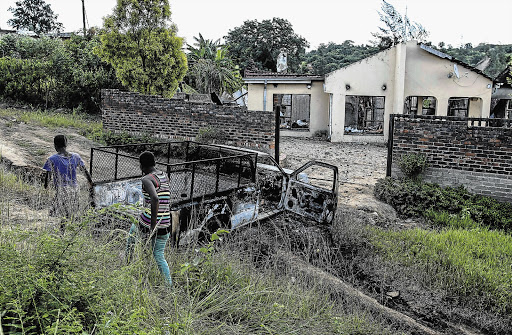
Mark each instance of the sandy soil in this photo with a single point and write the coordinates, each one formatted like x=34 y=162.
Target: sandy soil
x=359 y=165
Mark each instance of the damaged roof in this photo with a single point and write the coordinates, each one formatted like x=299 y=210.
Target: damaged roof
x=432 y=51
x=257 y=77
x=503 y=76
x=450 y=58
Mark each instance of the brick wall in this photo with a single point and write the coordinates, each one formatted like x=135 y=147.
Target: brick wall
x=463 y=151
x=183 y=116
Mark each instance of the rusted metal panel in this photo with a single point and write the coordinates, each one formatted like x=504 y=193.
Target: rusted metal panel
x=236 y=194
x=314 y=202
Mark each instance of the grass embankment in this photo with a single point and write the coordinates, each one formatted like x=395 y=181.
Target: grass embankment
x=88 y=126
x=77 y=281
x=475 y=265
x=70 y=283
x=467 y=251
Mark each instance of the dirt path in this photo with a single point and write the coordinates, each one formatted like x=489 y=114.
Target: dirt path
x=25 y=148
x=359 y=167
x=25 y=144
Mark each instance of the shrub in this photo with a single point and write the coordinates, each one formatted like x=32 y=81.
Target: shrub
x=412 y=164
x=445 y=219
x=414 y=198
x=211 y=135
x=53 y=73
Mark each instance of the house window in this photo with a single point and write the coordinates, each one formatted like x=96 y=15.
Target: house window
x=364 y=115
x=294 y=109
x=458 y=107
x=417 y=105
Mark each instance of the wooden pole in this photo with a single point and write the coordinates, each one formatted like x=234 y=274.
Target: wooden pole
x=83 y=15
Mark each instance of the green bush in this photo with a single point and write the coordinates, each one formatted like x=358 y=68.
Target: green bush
x=412 y=165
x=445 y=219
x=53 y=73
x=414 y=198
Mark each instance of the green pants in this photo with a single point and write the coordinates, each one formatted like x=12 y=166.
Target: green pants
x=158 y=243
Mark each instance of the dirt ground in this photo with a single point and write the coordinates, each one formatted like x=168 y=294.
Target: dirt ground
x=359 y=165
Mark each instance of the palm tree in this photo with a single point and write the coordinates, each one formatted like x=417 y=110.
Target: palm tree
x=203 y=49
x=211 y=69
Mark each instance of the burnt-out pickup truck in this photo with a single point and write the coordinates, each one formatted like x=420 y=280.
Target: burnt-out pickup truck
x=214 y=186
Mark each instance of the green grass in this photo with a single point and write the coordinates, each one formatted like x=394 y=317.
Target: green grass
x=470 y=263
x=12 y=183
x=88 y=126
x=445 y=219
x=71 y=284
x=77 y=281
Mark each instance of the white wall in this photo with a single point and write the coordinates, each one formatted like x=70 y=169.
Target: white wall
x=424 y=74
x=365 y=77
x=319 y=103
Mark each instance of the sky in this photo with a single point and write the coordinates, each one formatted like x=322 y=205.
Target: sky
x=454 y=22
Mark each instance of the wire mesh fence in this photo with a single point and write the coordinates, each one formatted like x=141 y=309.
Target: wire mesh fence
x=195 y=170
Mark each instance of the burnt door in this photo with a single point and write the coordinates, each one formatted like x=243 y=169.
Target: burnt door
x=313 y=191
x=300 y=108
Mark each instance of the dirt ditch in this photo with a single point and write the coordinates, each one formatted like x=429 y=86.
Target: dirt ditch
x=360 y=166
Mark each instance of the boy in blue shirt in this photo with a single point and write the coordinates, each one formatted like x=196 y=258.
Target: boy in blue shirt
x=61 y=167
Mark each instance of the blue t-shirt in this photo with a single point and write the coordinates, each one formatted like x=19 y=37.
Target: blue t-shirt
x=63 y=168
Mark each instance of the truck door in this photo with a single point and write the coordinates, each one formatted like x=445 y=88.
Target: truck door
x=313 y=191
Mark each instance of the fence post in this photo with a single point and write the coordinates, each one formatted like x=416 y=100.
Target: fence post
x=390 y=144
x=90 y=163
x=116 y=163
x=192 y=180
x=277 y=111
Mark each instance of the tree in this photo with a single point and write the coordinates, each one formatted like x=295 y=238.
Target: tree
x=51 y=72
x=210 y=67
x=34 y=15
x=259 y=44
x=140 y=42
x=331 y=56
x=398 y=28
x=203 y=48
x=498 y=56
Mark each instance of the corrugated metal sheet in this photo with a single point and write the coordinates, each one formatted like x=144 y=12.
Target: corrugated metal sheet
x=435 y=52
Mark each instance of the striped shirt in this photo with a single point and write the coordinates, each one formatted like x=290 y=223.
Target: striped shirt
x=164 y=195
